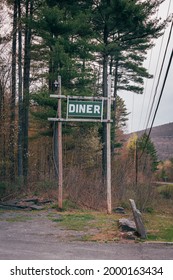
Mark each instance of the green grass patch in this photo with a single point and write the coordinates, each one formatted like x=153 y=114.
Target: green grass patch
x=159 y=227
x=18 y=219
x=97 y=226
x=75 y=221
x=168 y=234
x=163 y=235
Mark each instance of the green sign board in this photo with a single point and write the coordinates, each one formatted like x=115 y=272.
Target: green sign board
x=84 y=109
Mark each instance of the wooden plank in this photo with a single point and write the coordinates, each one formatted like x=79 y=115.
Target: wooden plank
x=80 y=97
x=78 y=120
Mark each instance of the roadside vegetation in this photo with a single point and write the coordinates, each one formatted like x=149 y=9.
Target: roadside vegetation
x=83 y=224
x=99 y=226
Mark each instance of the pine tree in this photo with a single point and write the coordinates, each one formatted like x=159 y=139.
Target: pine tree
x=64 y=31
x=147 y=152
x=121 y=26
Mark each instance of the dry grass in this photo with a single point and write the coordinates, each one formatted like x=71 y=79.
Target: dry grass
x=101 y=227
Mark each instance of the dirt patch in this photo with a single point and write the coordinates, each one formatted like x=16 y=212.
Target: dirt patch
x=41 y=223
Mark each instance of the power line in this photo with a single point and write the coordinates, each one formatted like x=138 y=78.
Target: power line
x=158 y=103
x=163 y=61
x=161 y=93
x=167 y=15
x=156 y=72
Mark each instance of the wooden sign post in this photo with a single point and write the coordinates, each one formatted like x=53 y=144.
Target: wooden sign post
x=84 y=109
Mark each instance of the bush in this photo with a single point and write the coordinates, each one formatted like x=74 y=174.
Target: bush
x=2 y=188
x=166 y=191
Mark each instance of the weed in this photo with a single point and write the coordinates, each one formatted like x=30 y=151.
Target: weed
x=149 y=210
x=67 y=205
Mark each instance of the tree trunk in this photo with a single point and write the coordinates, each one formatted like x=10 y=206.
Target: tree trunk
x=2 y=137
x=26 y=83
x=20 y=98
x=105 y=94
x=1 y=111
x=13 y=97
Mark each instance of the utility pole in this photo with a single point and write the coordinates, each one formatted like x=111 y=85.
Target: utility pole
x=108 y=148
x=136 y=164
x=55 y=137
x=60 y=167
x=58 y=143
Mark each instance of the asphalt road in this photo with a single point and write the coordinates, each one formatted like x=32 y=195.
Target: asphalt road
x=40 y=239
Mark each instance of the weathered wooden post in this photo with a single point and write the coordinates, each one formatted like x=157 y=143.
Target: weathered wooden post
x=108 y=149
x=138 y=220
x=60 y=167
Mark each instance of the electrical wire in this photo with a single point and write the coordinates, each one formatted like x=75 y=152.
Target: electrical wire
x=158 y=81
x=163 y=86
x=158 y=103
x=161 y=46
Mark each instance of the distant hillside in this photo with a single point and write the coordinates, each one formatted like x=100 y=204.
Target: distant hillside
x=162 y=137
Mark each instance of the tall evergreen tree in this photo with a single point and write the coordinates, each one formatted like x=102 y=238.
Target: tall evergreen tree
x=65 y=31
x=147 y=152
x=120 y=25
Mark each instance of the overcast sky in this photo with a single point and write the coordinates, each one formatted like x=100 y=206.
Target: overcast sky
x=139 y=105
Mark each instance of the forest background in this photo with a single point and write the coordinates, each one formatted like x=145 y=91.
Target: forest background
x=83 y=42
